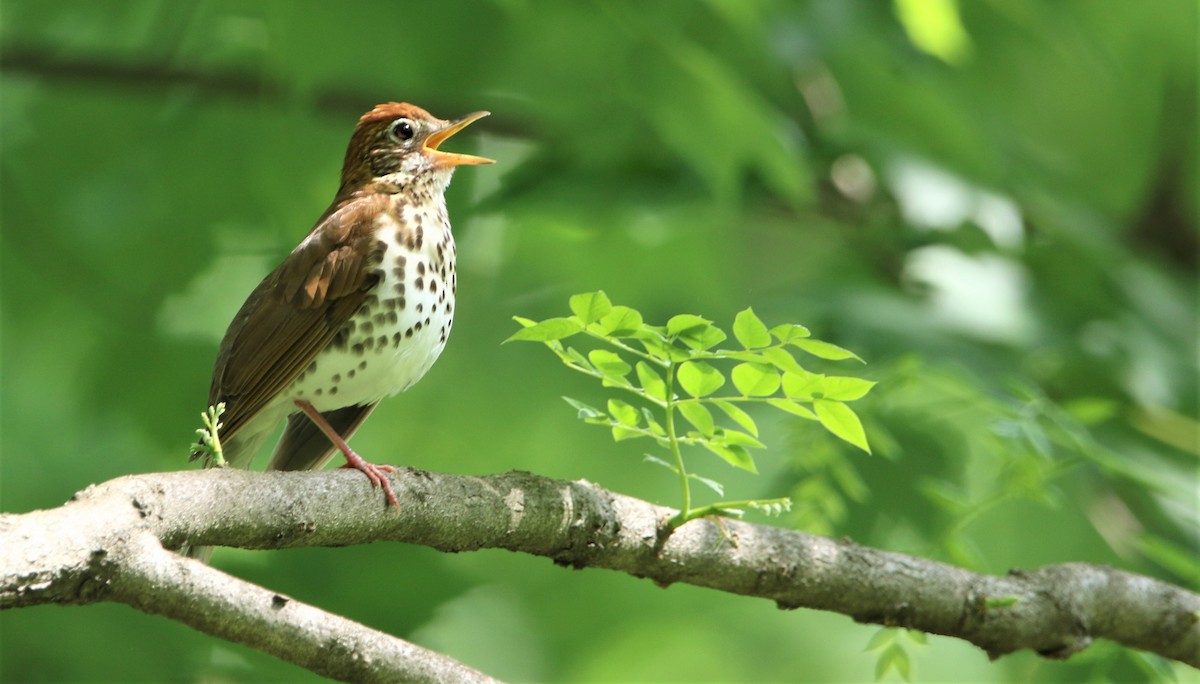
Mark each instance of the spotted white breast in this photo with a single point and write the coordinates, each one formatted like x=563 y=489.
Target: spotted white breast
x=403 y=325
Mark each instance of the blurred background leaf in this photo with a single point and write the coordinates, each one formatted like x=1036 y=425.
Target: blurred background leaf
x=992 y=202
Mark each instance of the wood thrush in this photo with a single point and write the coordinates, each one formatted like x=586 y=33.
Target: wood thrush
x=358 y=311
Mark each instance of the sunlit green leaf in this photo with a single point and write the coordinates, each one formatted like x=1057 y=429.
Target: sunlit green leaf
x=737 y=414
x=572 y=356
x=845 y=389
x=652 y=422
x=699 y=379
x=783 y=360
x=803 y=385
x=663 y=350
x=702 y=338
x=755 y=379
x=685 y=322
x=623 y=413
x=741 y=439
x=734 y=455
x=609 y=363
x=620 y=321
x=825 y=350
x=621 y=433
x=650 y=458
x=698 y=416
x=750 y=331
x=590 y=306
x=789 y=331
x=549 y=329
x=651 y=381
x=711 y=484
x=792 y=408
x=842 y=422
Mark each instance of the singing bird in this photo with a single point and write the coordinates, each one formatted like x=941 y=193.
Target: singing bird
x=359 y=310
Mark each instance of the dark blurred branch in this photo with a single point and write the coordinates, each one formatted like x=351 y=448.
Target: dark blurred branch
x=107 y=544
x=46 y=63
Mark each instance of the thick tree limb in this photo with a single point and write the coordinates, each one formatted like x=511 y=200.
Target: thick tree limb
x=107 y=544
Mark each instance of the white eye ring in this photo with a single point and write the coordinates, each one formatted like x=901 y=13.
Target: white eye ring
x=402 y=130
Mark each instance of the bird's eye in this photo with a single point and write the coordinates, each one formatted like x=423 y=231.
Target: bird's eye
x=401 y=130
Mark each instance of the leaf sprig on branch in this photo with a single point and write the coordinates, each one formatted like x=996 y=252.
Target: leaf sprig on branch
x=675 y=374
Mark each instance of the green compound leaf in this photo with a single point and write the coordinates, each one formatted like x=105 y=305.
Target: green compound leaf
x=700 y=379
x=756 y=379
x=792 y=408
x=620 y=321
x=750 y=331
x=590 y=306
x=736 y=456
x=842 y=422
x=737 y=414
x=826 y=350
x=653 y=383
x=623 y=413
x=547 y=330
x=609 y=364
x=698 y=416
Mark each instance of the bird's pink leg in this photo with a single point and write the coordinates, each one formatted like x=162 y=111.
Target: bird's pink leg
x=375 y=473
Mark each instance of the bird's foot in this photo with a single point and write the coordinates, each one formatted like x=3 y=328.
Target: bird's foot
x=377 y=474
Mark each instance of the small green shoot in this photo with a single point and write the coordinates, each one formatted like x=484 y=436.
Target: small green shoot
x=210 y=438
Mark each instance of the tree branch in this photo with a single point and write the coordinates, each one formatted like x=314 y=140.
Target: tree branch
x=108 y=544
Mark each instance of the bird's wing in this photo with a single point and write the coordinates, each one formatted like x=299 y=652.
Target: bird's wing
x=296 y=311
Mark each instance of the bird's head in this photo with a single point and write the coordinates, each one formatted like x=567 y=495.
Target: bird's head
x=396 y=145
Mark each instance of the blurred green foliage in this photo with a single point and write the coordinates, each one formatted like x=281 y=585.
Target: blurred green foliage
x=992 y=202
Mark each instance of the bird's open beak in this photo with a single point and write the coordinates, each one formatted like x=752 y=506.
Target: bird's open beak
x=445 y=159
